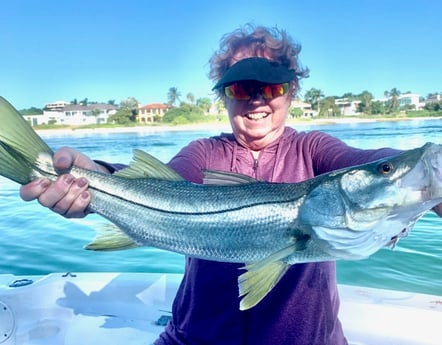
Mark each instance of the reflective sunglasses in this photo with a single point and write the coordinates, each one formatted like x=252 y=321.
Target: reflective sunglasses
x=244 y=91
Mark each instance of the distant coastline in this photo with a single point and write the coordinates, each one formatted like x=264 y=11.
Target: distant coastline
x=221 y=126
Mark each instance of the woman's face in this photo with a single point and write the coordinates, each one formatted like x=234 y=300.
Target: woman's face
x=258 y=122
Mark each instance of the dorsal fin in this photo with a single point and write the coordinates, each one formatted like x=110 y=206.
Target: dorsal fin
x=223 y=178
x=146 y=166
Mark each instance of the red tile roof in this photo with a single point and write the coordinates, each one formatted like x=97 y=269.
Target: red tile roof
x=154 y=106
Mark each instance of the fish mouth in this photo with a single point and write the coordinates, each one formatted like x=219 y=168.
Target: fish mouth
x=256 y=116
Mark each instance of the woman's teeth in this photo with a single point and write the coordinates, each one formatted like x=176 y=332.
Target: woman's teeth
x=256 y=116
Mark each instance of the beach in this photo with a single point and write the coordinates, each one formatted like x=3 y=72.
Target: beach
x=221 y=126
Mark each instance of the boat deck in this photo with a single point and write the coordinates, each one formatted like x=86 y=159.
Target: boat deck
x=132 y=308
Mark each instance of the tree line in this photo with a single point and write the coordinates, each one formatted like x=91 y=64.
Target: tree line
x=193 y=110
x=326 y=106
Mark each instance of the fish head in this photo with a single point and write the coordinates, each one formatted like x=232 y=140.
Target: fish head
x=367 y=207
x=408 y=183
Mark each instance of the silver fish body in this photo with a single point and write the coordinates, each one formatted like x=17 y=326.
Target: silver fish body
x=345 y=214
x=240 y=223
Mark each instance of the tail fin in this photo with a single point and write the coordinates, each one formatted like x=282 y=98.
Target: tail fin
x=20 y=146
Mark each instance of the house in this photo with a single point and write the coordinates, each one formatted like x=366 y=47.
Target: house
x=40 y=119
x=434 y=98
x=405 y=100
x=306 y=108
x=348 y=107
x=147 y=113
x=73 y=114
x=56 y=106
x=410 y=100
x=77 y=114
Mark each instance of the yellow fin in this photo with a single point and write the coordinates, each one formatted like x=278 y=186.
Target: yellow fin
x=146 y=166
x=255 y=285
x=262 y=276
x=111 y=237
x=14 y=166
x=20 y=146
x=18 y=134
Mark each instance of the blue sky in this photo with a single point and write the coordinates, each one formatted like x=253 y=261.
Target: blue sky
x=110 y=50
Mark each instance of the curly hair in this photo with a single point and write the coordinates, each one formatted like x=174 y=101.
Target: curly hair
x=259 y=41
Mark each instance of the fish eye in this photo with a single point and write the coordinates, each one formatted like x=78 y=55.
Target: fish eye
x=385 y=168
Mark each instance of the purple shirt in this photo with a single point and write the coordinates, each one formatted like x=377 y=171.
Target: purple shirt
x=302 y=308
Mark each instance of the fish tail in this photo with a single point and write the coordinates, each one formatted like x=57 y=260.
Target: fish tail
x=20 y=146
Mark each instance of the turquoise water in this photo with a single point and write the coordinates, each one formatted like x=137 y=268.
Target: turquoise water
x=35 y=241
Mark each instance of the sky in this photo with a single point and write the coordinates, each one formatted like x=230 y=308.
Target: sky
x=55 y=50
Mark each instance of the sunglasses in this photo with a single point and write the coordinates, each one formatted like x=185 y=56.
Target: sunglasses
x=243 y=91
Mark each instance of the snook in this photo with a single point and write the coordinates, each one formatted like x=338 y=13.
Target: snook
x=345 y=214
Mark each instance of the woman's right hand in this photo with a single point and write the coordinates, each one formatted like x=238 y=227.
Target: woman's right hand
x=67 y=196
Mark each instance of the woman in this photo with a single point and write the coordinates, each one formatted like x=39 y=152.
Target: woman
x=256 y=73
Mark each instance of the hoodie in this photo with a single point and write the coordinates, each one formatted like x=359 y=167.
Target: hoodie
x=303 y=307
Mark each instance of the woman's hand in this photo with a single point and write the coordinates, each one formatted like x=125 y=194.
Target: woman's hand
x=67 y=195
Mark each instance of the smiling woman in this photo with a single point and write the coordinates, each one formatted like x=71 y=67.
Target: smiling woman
x=205 y=309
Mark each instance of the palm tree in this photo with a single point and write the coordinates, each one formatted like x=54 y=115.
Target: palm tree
x=366 y=98
x=204 y=103
x=394 y=94
x=173 y=96
x=190 y=97
x=313 y=96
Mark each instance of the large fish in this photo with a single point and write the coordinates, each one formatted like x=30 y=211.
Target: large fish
x=345 y=214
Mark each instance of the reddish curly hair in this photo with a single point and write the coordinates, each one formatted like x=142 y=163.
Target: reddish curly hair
x=260 y=41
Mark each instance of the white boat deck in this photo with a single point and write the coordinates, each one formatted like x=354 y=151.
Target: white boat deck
x=131 y=308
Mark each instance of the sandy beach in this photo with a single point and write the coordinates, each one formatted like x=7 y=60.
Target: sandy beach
x=221 y=127
x=136 y=129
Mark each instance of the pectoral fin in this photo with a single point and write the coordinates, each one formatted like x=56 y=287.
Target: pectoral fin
x=262 y=276
x=255 y=285
x=111 y=237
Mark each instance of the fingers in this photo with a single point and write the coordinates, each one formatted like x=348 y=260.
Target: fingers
x=66 y=196
x=34 y=189
x=66 y=157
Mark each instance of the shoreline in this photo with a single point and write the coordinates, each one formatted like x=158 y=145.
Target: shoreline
x=221 y=127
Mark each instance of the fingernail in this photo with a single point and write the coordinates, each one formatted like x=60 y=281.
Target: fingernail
x=44 y=183
x=68 y=179
x=62 y=163
x=81 y=182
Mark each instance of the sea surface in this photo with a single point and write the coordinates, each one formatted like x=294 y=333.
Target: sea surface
x=36 y=241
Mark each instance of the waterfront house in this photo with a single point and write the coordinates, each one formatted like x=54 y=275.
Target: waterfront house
x=73 y=114
x=148 y=113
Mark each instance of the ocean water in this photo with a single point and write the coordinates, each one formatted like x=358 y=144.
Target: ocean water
x=36 y=241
